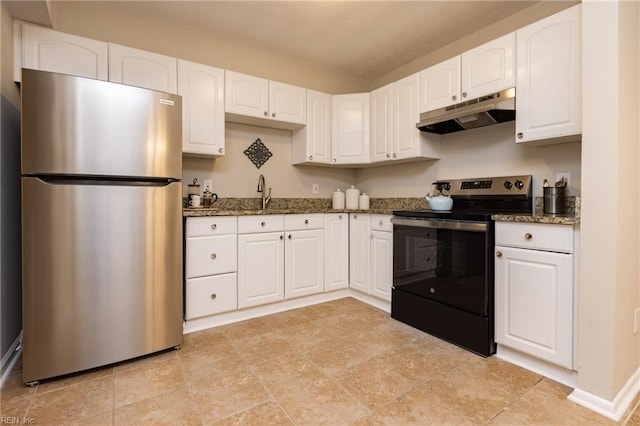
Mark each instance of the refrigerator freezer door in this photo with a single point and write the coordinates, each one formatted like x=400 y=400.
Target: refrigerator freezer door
x=102 y=274
x=80 y=126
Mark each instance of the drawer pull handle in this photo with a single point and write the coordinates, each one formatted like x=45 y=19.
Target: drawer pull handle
x=213 y=296
x=520 y=135
x=528 y=236
x=263 y=223
x=213 y=227
x=289 y=236
x=498 y=254
x=213 y=256
x=306 y=221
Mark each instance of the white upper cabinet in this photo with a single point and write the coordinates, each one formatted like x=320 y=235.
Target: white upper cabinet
x=140 y=68
x=440 y=85
x=249 y=96
x=202 y=91
x=44 y=49
x=488 y=68
x=549 y=90
x=312 y=144
x=478 y=72
x=382 y=123
x=350 y=128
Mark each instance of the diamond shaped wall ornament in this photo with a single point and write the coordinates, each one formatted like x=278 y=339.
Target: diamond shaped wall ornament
x=258 y=153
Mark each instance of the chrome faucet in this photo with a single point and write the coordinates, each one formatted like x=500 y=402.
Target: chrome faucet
x=265 y=200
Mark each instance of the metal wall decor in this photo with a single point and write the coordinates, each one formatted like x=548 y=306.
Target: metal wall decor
x=258 y=153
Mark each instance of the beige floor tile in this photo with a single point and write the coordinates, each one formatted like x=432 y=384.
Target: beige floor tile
x=633 y=420
x=288 y=373
x=104 y=419
x=323 y=403
x=201 y=341
x=64 y=381
x=73 y=403
x=371 y=341
x=240 y=330
x=256 y=349
x=224 y=394
x=367 y=420
x=144 y=361
x=152 y=380
x=16 y=408
x=332 y=356
x=497 y=372
x=172 y=408
x=267 y=414
x=198 y=364
x=290 y=318
x=14 y=388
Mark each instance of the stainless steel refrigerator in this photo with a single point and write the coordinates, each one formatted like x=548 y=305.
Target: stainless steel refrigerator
x=101 y=223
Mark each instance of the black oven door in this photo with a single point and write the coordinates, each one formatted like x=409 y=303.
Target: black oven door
x=446 y=261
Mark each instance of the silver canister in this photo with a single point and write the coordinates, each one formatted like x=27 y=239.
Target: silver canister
x=554 y=199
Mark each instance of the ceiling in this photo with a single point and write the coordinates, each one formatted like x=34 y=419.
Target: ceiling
x=360 y=38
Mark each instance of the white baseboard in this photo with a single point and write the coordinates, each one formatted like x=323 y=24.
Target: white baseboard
x=204 y=323
x=612 y=409
x=554 y=372
x=10 y=358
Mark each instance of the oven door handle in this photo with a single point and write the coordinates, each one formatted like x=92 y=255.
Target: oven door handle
x=460 y=226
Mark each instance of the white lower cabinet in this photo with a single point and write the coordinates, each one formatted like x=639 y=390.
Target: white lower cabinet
x=360 y=252
x=336 y=251
x=381 y=256
x=534 y=292
x=211 y=295
x=304 y=263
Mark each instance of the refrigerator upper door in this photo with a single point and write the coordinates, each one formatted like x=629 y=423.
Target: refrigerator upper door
x=80 y=126
x=102 y=274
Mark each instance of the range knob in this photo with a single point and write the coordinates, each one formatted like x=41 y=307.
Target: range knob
x=508 y=184
x=519 y=184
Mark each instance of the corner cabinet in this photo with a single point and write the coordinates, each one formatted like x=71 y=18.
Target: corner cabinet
x=44 y=49
x=140 y=68
x=534 y=290
x=360 y=252
x=549 y=91
x=202 y=91
x=312 y=144
x=350 y=128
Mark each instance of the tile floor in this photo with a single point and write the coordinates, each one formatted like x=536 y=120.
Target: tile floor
x=338 y=363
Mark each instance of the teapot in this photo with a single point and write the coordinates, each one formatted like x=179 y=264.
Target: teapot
x=439 y=202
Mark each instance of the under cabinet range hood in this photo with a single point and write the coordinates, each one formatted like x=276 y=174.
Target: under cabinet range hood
x=485 y=111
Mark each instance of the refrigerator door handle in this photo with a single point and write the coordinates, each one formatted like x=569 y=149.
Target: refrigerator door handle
x=98 y=180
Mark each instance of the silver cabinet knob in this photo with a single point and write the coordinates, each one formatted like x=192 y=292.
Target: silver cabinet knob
x=213 y=227
x=340 y=217
x=371 y=236
x=333 y=161
x=273 y=114
x=454 y=98
x=263 y=223
x=464 y=94
x=528 y=236
x=311 y=157
x=388 y=155
x=395 y=155
x=289 y=236
x=221 y=150
x=498 y=254
x=380 y=223
x=306 y=221
x=213 y=296
x=355 y=216
x=213 y=256
x=281 y=237
x=432 y=290
x=266 y=114
x=520 y=135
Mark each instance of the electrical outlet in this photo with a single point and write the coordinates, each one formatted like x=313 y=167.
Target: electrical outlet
x=315 y=189
x=208 y=185
x=565 y=175
x=636 y=320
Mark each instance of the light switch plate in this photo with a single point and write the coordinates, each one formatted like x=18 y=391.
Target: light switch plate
x=315 y=189
x=208 y=185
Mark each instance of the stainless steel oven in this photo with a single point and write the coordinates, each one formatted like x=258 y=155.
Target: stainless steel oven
x=443 y=273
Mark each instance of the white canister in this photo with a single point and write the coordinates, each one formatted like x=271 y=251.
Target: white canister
x=337 y=199
x=352 y=194
x=363 y=202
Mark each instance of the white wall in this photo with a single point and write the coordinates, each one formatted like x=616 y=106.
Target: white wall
x=487 y=151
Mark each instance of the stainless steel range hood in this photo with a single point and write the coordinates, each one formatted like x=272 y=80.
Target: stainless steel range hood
x=485 y=111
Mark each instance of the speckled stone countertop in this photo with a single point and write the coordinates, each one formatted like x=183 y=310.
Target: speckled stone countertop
x=570 y=217
x=252 y=206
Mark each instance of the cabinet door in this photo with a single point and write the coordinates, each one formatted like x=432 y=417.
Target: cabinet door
x=312 y=143
x=202 y=91
x=440 y=85
x=140 y=68
x=549 y=91
x=489 y=68
x=287 y=103
x=360 y=252
x=260 y=269
x=246 y=95
x=381 y=264
x=336 y=254
x=48 y=50
x=304 y=263
x=534 y=303
x=407 y=139
x=350 y=128
x=382 y=123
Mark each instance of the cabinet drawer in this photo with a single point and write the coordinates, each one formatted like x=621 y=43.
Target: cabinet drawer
x=261 y=223
x=537 y=236
x=381 y=222
x=300 y=222
x=212 y=225
x=211 y=255
x=211 y=295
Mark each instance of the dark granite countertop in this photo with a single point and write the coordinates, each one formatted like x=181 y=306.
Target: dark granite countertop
x=571 y=217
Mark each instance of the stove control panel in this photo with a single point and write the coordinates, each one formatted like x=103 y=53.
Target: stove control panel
x=503 y=186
